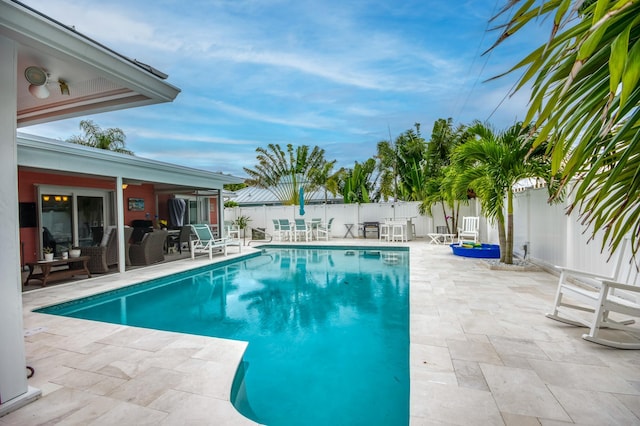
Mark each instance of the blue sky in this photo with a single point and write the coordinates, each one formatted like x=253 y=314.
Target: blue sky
x=339 y=74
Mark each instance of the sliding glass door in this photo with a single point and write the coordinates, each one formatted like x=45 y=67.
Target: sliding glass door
x=73 y=217
x=57 y=221
x=90 y=220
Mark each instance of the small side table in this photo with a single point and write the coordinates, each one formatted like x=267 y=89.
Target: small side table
x=349 y=227
x=437 y=238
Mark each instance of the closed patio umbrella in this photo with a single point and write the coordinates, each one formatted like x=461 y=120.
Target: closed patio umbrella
x=177 y=207
x=301 y=196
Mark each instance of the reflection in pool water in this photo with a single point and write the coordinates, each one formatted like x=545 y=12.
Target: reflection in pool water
x=327 y=329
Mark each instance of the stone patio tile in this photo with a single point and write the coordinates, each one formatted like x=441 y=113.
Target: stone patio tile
x=130 y=414
x=474 y=351
x=147 y=387
x=189 y=409
x=212 y=379
x=81 y=380
x=575 y=351
x=602 y=409
x=108 y=355
x=453 y=405
x=517 y=420
x=222 y=351
x=582 y=377
x=469 y=375
x=430 y=358
x=54 y=408
x=141 y=338
x=632 y=402
x=90 y=412
x=523 y=348
x=521 y=392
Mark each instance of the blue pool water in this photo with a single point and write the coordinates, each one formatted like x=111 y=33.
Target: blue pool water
x=328 y=329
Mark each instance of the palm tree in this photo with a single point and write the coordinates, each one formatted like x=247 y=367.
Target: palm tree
x=441 y=190
x=112 y=139
x=397 y=164
x=439 y=185
x=282 y=173
x=586 y=103
x=357 y=184
x=492 y=163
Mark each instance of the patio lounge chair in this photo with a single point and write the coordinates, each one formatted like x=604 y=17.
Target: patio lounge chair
x=470 y=226
x=150 y=249
x=204 y=242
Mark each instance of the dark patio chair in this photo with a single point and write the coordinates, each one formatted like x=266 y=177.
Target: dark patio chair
x=183 y=239
x=150 y=249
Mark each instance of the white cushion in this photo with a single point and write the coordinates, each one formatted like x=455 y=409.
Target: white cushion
x=105 y=236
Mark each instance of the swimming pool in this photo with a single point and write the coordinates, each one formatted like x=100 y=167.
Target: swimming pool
x=327 y=329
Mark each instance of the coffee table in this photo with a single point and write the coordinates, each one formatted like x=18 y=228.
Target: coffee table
x=74 y=266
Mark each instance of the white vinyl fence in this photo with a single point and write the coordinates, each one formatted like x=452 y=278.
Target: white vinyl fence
x=553 y=238
x=343 y=214
x=549 y=235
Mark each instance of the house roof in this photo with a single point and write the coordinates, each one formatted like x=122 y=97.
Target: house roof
x=98 y=78
x=252 y=195
x=64 y=157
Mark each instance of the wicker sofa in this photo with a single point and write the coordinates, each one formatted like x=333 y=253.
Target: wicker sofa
x=150 y=249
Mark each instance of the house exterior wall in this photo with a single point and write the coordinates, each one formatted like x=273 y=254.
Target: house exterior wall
x=28 y=180
x=27 y=193
x=147 y=193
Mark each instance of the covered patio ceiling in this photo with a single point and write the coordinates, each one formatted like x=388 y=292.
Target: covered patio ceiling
x=39 y=153
x=98 y=79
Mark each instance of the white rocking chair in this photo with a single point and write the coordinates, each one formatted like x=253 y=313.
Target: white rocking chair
x=599 y=295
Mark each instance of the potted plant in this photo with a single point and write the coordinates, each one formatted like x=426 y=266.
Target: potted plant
x=48 y=253
x=242 y=222
x=74 y=252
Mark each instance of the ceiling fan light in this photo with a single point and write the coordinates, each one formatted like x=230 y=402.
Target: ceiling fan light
x=36 y=75
x=40 y=92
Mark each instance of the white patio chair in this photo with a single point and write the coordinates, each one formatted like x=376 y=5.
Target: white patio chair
x=285 y=230
x=276 y=229
x=232 y=231
x=470 y=226
x=325 y=230
x=301 y=228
